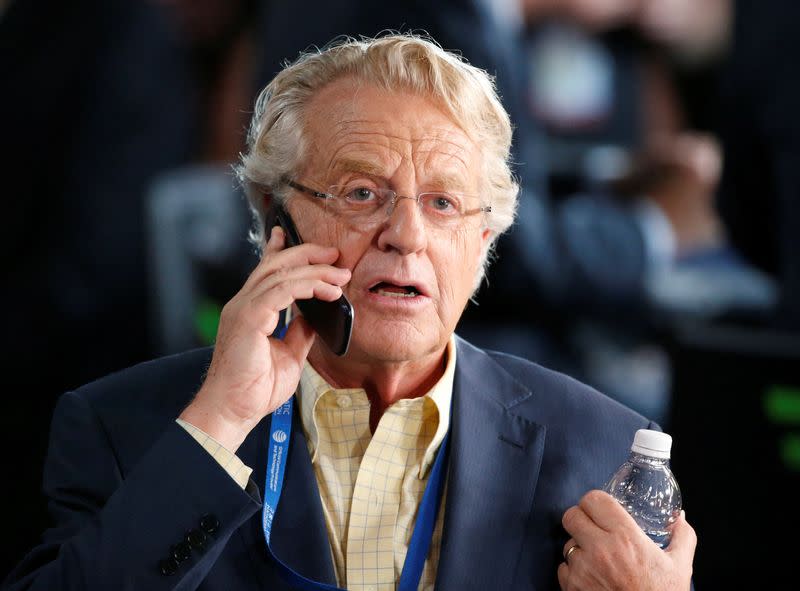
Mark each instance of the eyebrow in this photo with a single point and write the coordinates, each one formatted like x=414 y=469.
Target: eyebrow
x=442 y=181
x=447 y=182
x=346 y=165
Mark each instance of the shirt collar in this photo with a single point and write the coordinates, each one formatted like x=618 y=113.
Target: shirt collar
x=313 y=386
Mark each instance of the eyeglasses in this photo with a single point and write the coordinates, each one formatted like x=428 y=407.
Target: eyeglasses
x=368 y=205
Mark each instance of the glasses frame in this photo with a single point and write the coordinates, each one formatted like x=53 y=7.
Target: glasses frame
x=392 y=202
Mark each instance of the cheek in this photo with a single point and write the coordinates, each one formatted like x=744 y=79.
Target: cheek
x=317 y=227
x=457 y=268
x=352 y=244
x=330 y=234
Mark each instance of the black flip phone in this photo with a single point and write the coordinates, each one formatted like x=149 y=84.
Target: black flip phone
x=333 y=321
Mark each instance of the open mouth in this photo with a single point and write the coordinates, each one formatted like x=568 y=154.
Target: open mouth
x=394 y=291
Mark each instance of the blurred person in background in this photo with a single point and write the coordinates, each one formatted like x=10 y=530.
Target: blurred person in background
x=745 y=367
x=142 y=88
x=622 y=234
x=760 y=112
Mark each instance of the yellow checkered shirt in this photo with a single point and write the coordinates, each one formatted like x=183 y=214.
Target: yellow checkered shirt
x=371 y=485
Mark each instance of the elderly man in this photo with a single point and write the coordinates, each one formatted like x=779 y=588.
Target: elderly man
x=413 y=461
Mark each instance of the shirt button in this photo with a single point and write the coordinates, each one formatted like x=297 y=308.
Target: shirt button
x=344 y=401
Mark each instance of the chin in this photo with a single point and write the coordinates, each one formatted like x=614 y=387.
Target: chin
x=393 y=345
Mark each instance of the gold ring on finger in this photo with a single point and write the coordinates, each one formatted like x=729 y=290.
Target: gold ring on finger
x=569 y=552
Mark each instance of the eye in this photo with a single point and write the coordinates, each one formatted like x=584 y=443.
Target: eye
x=441 y=203
x=361 y=195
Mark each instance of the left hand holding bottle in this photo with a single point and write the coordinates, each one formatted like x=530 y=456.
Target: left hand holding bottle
x=612 y=552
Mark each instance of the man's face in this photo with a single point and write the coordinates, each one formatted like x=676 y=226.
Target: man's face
x=405 y=143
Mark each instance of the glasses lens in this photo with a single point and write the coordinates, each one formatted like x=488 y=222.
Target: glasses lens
x=449 y=210
x=357 y=201
x=441 y=207
x=367 y=205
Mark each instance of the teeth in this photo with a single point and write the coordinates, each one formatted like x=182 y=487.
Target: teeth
x=396 y=294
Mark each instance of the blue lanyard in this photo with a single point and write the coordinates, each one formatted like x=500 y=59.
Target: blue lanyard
x=279 y=437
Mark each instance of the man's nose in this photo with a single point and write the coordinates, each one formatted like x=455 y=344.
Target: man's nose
x=404 y=229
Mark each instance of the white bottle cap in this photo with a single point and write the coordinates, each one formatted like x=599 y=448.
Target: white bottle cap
x=652 y=443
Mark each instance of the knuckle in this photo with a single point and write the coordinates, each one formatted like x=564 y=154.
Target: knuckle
x=603 y=556
x=570 y=584
x=304 y=288
x=569 y=517
x=594 y=497
x=331 y=273
x=563 y=574
x=280 y=275
x=228 y=311
x=287 y=285
x=332 y=289
x=613 y=554
x=624 y=548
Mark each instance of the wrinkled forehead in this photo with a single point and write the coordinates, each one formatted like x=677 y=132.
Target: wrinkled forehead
x=354 y=127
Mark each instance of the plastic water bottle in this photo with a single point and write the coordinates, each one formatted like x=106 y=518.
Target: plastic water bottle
x=646 y=487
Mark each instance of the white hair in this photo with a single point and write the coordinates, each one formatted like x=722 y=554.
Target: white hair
x=409 y=62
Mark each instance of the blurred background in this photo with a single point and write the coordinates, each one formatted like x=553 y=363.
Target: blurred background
x=656 y=254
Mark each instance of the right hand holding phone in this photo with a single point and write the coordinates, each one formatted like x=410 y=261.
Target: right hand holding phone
x=251 y=372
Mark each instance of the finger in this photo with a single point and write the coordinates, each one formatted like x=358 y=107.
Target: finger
x=283 y=295
x=563 y=575
x=261 y=311
x=276 y=241
x=299 y=338
x=581 y=527
x=327 y=273
x=684 y=539
x=570 y=543
x=605 y=510
x=297 y=256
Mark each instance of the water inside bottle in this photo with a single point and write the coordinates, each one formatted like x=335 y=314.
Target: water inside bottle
x=642 y=513
x=648 y=492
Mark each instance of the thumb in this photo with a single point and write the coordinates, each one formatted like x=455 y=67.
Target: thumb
x=684 y=539
x=299 y=338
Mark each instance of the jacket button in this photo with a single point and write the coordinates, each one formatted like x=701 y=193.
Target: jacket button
x=209 y=524
x=196 y=538
x=181 y=551
x=168 y=566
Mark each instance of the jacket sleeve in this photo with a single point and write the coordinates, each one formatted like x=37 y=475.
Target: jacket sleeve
x=115 y=531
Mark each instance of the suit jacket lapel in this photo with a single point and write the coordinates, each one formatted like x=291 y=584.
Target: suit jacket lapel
x=494 y=467
x=299 y=534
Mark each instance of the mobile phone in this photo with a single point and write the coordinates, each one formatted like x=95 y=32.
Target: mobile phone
x=332 y=321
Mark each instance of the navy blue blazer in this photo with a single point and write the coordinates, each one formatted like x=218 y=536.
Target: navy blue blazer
x=125 y=483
